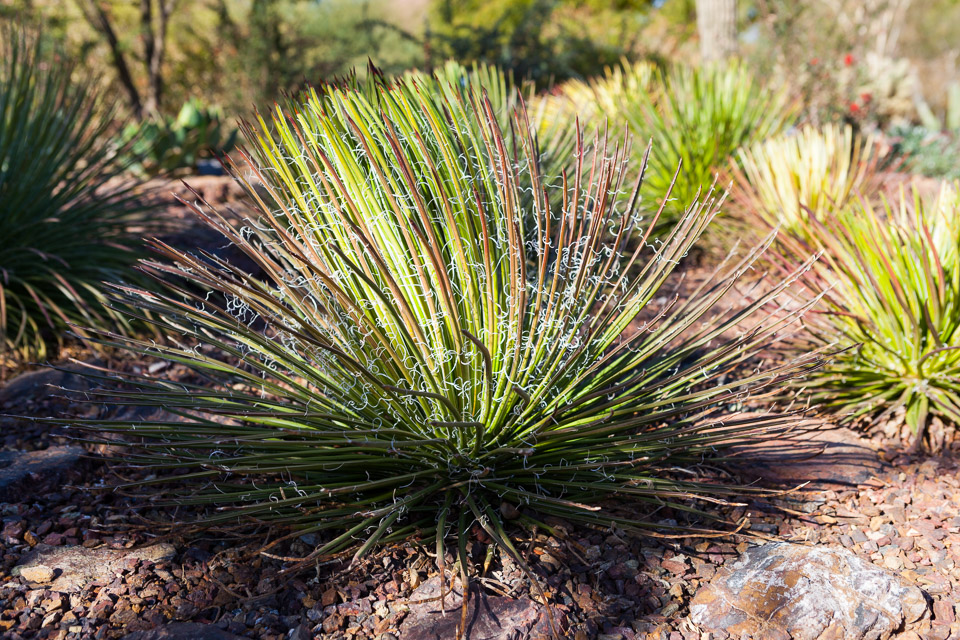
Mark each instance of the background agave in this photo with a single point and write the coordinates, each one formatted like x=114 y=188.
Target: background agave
x=815 y=170
x=65 y=213
x=891 y=279
x=700 y=116
x=406 y=367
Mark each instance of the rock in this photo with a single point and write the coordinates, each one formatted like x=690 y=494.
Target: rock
x=783 y=591
x=16 y=467
x=44 y=382
x=77 y=566
x=300 y=632
x=183 y=631
x=496 y=617
x=834 y=458
x=37 y=573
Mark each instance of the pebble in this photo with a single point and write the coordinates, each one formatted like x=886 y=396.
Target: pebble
x=38 y=573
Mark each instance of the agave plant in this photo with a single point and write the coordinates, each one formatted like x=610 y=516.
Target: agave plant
x=808 y=172
x=65 y=211
x=405 y=368
x=891 y=279
x=613 y=94
x=699 y=117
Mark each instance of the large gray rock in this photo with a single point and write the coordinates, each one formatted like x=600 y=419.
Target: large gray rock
x=70 y=569
x=786 y=591
x=183 y=631
x=488 y=617
x=16 y=467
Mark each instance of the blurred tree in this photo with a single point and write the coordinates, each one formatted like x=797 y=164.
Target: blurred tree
x=232 y=53
x=544 y=40
x=154 y=22
x=717 y=27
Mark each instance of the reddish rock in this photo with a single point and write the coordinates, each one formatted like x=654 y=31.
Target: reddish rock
x=787 y=591
x=183 y=631
x=943 y=612
x=674 y=566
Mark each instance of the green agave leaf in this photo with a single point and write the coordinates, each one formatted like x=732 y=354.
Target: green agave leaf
x=916 y=414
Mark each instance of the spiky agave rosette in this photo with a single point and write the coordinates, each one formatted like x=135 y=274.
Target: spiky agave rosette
x=890 y=277
x=554 y=131
x=812 y=171
x=67 y=210
x=403 y=368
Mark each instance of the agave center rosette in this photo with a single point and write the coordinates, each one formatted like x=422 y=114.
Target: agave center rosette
x=891 y=278
x=422 y=347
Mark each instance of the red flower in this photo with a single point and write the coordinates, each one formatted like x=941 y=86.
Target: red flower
x=814 y=62
x=848 y=59
x=865 y=97
x=854 y=107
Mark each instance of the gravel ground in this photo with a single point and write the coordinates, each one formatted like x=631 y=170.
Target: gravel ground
x=603 y=584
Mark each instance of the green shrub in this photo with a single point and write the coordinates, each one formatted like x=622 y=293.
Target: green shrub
x=700 y=116
x=542 y=40
x=165 y=145
x=404 y=368
x=935 y=154
x=65 y=209
x=890 y=277
x=933 y=148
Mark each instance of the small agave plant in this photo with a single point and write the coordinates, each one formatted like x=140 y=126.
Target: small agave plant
x=890 y=278
x=699 y=117
x=404 y=367
x=68 y=214
x=610 y=96
x=812 y=171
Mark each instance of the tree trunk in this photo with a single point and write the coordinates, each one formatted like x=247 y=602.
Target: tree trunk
x=717 y=27
x=96 y=15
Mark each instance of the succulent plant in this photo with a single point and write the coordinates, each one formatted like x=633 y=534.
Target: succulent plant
x=67 y=212
x=811 y=171
x=423 y=349
x=165 y=145
x=890 y=276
